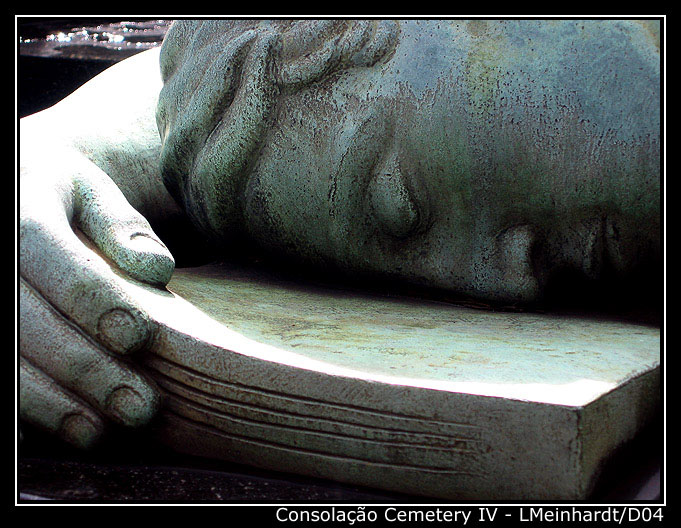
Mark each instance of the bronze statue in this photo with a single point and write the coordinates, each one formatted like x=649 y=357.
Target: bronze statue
x=477 y=156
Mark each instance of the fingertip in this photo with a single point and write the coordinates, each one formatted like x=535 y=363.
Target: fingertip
x=81 y=430
x=133 y=406
x=145 y=258
x=48 y=406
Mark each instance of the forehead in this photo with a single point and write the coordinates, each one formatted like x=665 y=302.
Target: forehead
x=510 y=105
x=605 y=71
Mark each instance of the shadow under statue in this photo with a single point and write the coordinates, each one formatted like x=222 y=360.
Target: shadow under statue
x=482 y=158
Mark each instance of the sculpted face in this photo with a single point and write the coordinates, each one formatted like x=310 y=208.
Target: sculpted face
x=479 y=156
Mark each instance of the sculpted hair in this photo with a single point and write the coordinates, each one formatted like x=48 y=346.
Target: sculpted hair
x=221 y=79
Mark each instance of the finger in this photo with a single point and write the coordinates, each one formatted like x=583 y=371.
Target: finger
x=93 y=201
x=47 y=406
x=78 y=282
x=103 y=213
x=57 y=347
x=81 y=286
x=70 y=276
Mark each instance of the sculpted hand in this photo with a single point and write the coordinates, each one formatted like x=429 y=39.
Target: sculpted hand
x=77 y=325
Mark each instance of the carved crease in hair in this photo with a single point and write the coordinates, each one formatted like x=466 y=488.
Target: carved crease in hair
x=221 y=79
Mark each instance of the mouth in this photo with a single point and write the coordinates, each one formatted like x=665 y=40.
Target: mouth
x=580 y=248
x=586 y=248
x=530 y=264
x=573 y=263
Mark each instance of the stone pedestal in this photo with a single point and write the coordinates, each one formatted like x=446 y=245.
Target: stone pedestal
x=401 y=394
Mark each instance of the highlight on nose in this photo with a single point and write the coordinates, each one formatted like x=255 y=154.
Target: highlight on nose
x=392 y=203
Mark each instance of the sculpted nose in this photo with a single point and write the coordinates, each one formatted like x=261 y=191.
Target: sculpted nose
x=392 y=202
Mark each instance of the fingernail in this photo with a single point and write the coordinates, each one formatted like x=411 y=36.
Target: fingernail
x=122 y=332
x=146 y=242
x=128 y=407
x=79 y=430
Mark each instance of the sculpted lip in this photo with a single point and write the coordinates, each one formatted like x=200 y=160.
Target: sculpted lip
x=582 y=246
x=585 y=247
x=595 y=251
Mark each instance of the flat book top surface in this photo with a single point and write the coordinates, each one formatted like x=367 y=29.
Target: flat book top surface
x=558 y=359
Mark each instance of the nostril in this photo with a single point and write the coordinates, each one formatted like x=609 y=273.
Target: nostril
x=613 y=245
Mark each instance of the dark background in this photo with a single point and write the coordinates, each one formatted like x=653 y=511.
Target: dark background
x=49 y=70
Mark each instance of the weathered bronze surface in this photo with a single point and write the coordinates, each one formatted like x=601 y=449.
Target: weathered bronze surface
x=483 y=158
x=411 y=396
